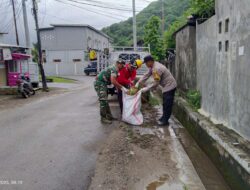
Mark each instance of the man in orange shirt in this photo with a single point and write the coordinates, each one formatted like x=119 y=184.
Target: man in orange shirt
x=127 y=76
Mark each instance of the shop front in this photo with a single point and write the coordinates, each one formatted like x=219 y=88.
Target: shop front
x=19 y=65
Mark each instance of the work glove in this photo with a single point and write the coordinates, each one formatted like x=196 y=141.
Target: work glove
x=145 y=89
x=124 y=89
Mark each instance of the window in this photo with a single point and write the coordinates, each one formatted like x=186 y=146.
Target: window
x=128 y=57
x=93 y=64
x=12 y=66
x=77 y=60
x=57 y=60
x=1 y=55
x=220 y=46
x=124 y=56
x=227 y=46
x=25 y=66
x=227 y=25
x=89 y=43
x=44 y=60
x=220 y=27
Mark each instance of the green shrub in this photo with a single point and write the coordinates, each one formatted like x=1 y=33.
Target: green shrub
x=194 y=98
x=153 y=100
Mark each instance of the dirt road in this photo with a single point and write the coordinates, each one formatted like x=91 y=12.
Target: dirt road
x=152 y=158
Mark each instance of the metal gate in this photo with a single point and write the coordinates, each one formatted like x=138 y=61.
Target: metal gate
x=103 y=61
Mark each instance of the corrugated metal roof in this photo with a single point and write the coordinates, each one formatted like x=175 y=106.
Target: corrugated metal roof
x=75 y=25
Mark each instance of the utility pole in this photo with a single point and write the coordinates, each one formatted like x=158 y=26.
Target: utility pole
x=35 y=8
x=26 y=27
x=14 y=16
x=134 y=27
x=163 y=17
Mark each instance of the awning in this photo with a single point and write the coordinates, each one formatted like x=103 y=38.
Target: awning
x=20 y=56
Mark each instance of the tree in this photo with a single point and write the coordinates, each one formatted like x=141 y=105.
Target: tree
x=34 y=53
x=201 y=8
x=121 y=33
x=152 y=36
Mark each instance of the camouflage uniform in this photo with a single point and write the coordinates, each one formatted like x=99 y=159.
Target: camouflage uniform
x=103 y=79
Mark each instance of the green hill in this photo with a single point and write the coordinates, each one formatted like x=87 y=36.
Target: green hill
x=122 y=33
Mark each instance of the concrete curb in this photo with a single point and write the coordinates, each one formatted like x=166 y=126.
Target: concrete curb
x=229 y=151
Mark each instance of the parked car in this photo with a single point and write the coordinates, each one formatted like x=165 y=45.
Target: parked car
x=91 y=68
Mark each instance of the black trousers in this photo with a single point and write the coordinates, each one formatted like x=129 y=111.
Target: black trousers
x=168 y=101
x=119 y=94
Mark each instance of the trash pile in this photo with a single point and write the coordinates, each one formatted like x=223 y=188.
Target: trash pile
x=133 y=90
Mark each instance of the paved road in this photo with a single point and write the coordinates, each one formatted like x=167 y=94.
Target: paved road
x=52 y=143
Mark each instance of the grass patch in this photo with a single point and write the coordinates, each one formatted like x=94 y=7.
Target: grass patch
x=60 y=79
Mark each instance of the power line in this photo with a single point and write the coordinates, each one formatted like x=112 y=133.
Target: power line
x=109 y=4
x=9 y=24
x=15 y=24
x=66 y=3
x=43 y=13
x=105 y=7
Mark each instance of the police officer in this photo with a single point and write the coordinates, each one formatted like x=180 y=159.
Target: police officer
x=164 y=78
x=107 y=77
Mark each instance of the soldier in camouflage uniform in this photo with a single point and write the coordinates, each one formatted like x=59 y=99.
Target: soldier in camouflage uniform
x=107 y=77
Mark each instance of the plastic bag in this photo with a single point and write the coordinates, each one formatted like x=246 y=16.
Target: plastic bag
x=132 y=108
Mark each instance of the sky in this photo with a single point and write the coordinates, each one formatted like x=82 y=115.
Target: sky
x=97 y=13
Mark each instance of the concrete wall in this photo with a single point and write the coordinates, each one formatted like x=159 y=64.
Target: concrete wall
x=1 y=38
x=72 y=38
x=67 y=66
x=185 y=63
x=224 y=76
x=212 y=72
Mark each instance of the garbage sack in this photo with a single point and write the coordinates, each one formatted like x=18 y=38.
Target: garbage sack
x=132 y=108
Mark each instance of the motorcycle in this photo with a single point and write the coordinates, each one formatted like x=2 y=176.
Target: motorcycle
x=25 y=87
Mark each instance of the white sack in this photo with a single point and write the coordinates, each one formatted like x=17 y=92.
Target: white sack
x=132 y=109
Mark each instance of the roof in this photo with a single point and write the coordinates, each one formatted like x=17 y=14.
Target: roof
x=12 y=46
x=20 y=56
x=75 y=25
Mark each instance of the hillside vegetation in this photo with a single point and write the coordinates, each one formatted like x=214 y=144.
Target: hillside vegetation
x=122 y=33
x=149 y=24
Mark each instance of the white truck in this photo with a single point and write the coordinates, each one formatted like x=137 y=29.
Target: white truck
x=127 y=54
x=34 y=74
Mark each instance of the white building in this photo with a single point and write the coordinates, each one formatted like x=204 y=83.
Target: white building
x=65 y=47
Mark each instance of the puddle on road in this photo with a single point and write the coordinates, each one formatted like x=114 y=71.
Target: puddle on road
x=162 y=185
